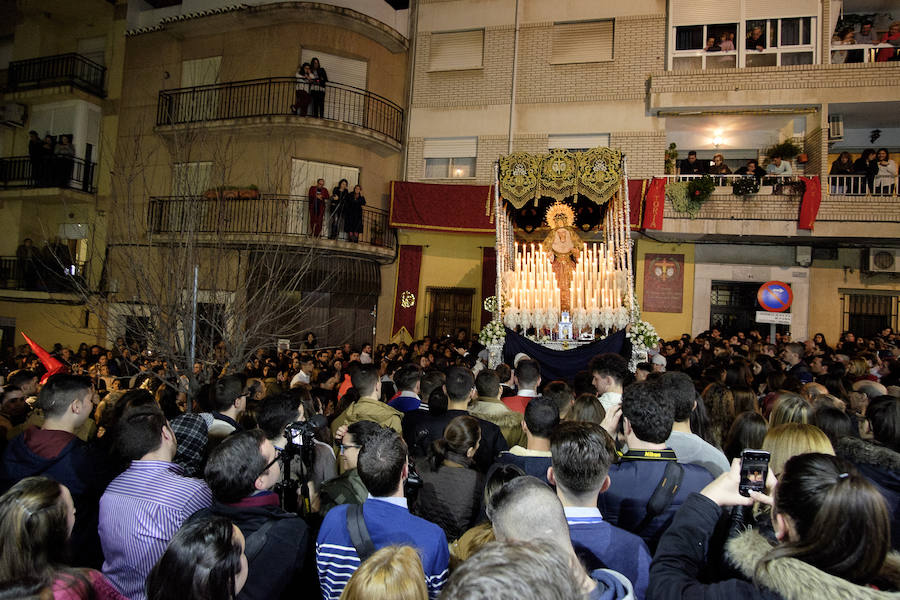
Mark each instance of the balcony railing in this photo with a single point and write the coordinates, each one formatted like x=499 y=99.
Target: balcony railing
x=54 y=171
x=278 y=96
x=41 y=271
x=62 y=69
x=860 y=185
x=268 y=214
x=768 y=184
x=857 y=53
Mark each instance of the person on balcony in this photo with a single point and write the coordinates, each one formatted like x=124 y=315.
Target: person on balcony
x=691 y=166
x=719 y=168
x=866 y=165
x=35 y=155
x=845 y=37
x=353 y=214
x=756 y=40
x=841 y=170
x=339 y=199
x=752 y=168
x=65 y=153
x=779 y=166
x=892 y=37
x=886 y=177
x=726 y=42
x=317 y=196
x=866 y=35
x=301 y=100
x=318 y=80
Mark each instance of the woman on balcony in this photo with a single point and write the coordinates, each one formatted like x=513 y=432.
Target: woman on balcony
x=866 y=165
x=353 y=214
x=301 y=101
x=886 y=177
x=319 y=78
x=892 y=37
x=841 y=170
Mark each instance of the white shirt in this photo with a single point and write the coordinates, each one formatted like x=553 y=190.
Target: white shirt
x=300 y=377
x=365 y=358
x=583 y=514
x=396 y=501
x=610 y=399
x=527 y=393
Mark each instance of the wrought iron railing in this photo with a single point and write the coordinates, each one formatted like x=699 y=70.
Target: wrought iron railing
x=279 y=96
x=61 y=69
x=266 y=214
x=51 y=171
x=41 y=269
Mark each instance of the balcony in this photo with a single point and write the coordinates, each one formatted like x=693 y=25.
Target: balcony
x=59 y=70
x=274 y=218
x=44 y=272
x=348 y=111
x=52 y=172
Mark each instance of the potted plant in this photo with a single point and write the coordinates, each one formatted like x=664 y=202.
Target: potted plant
x=671 y=158
x=787 y=150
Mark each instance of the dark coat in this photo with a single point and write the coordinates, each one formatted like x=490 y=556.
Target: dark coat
x=353 y=213
x=450 y=497
x=421 y=428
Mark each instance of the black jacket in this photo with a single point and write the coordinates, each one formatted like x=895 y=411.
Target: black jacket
x=421 y=428
x=275 y=571
x=450 y=497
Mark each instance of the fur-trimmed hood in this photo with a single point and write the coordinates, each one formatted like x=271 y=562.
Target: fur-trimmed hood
x=862 y=452
x=496 y=412
x=794 y=579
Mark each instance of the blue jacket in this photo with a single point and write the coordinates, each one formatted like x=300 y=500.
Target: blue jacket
x=634 y=480
x=405 y=403
x=388 y=524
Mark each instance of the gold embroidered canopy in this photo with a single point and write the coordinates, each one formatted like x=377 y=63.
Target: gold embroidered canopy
x=593 y=174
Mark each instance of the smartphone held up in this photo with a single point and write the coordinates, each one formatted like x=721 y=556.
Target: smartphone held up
x=754 y=470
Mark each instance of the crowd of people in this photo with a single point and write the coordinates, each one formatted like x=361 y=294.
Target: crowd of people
x=416 y=471
x=889 y=43
x=51 y=159
x=876 y=168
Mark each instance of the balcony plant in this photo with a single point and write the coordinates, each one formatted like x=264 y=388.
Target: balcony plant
x=671 y=158
x=786 y=150
x=232 y=192
x=745 y=186
x=689 y=197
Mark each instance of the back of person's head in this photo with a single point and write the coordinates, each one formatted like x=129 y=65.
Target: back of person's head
x=487 y=384
x=587 y=408
x=528 y=374
x=582 y=453
x=431 y=381
x=789 y=408
x=274 y=413
x=499 y=476
x=381 y=461
x=541 y=416
x=744 y=399
x=841 y=520
x=679 y=387
x=391 y=573
x=561 y=393
x=137 y=431
x=407 y=377
x=461 y=435
x=234 y=465
x=833 y=422
x=534 y=570
x=460 y=383
x=33 y=534
x=204 y=560
x=22 y=377
x=791 y=439
x=650 y=412
x=225 y=391
x=610 y=364
x=361 y=430
x=748 y=431
x=883 y=414
x=61 y=391
x=527 y=509
x=364 y=378
x=583 y=383
x=503 y=372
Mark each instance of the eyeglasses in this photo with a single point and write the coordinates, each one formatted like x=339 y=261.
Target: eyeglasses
x=274 y=460
x=348 y=446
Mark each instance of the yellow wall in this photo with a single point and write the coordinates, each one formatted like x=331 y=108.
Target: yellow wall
x=48 y=324
x=668 y=325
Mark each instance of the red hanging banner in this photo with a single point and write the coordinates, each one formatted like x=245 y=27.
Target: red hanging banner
x=809 y=205
x=636 y=190
x=488 y=281
x=409 y=263
x=655 y=204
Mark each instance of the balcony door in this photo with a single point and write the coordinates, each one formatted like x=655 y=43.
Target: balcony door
x=450 y=309
x=341 y=104
x=304 y=174
x=199 y=104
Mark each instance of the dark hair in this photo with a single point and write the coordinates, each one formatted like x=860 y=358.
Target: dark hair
x=201 y=562
x=274 y=413
x=561 y=394
x=883 y=414
x=834 y=422
x=432 y=380
x=583 y=383
x=459 y=384
x=748 y=431
x=22 y=376
x=682 y=392
x=361 y=430
x=503 y=372
x=61 y=391
x=528 y=372
x=438 y=403
x=841 y=520
x=587 y=408
x=650 y=411
x=364 y=378
x=498 y=476
x=611 y=365
x=233 y=466
x=407 y=377
x=541 y=416
x=582 y=453
x=137 y=431
x=460 y=434
x=487 y=384
x=380 y=462
x=225 y=391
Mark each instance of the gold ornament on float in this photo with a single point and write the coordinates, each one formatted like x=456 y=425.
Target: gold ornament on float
x=407 y=299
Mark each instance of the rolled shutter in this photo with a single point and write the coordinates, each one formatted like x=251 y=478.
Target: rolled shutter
x=705 y=12
x=456 y=50
x=451 y=147
x=340 y=69
x=583 y=42
x=778 y=9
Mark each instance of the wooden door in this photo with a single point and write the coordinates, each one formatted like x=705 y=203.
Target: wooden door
x=450 y=309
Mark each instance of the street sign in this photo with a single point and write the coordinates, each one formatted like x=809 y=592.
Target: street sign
x=775 y=296
x=775 y=318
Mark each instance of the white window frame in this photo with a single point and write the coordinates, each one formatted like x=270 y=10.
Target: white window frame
x=463 y=148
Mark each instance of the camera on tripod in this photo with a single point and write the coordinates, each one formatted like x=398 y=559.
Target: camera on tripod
x=300 y=439
x=300 y=436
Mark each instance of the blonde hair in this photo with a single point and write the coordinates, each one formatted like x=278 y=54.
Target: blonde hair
x=858 y=367
x=392 y=573
x=790 y=439
x=789 y=408
x=469 y=543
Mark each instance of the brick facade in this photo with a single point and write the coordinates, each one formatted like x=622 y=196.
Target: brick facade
x=645 y=151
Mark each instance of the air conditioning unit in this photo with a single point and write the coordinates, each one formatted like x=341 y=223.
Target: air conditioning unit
x=835 y=128
x=13 y=114
x=884 y=260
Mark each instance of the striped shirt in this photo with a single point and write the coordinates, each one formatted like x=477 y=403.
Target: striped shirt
x=139 y=513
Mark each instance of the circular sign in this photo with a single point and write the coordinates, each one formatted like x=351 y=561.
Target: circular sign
x=775 y=296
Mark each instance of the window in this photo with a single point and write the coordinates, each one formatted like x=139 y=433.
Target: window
x=450 y=158
x=867 y=313
x=705 y=47
x=578 y=141
x=582 y=42
x=191 y=178
x=456 y=50
x=784 y=42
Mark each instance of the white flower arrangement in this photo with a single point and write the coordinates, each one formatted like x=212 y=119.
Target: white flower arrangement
x=643 y=335
x=493 y=333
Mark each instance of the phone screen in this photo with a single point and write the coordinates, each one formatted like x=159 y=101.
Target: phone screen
x=754 y=470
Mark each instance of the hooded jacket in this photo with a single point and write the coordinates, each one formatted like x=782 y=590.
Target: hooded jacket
x=509 y=421
x=369 y=409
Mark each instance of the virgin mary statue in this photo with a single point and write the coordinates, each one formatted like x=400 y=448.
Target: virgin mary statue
x=563 y=244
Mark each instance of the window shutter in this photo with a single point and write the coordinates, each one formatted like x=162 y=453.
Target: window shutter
x=456 y=50
x=578 y=141
x=340 y=69
x=778 y=9
x=200 y=71
x=704 y=12
x=587 y=41
x=451 y=147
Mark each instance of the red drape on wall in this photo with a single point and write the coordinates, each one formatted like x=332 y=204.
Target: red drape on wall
x=488 y=280
x=655 y=204
x=809 y=205
x=636 y=190
x=409 y=263
x=442 y=207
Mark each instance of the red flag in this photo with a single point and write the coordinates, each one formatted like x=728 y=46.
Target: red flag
x=809 y=205
x=409 y=262
x=488 y=281
x=655 y=204
x=52 y=365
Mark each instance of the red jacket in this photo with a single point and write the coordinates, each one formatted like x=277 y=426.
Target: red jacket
x=517 y=403
x=317 y=205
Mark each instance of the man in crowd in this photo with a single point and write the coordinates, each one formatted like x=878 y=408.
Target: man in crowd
x=307 y=365
x=507 y=384
x=408 y=380
x=648 y=415
x=561 y=394
x=541 y=417
x=143 y=507
x=582 y=454
x=778 y=166
x=369 y=407
x=609 y=371
x=348 y=488
x=384 y=519
x=229 y=402
x=688 y=446
x=692 y=166
x=792 y=357
x=241 y=472
x=527 y=378
x=490 y=407
x=752 y=168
